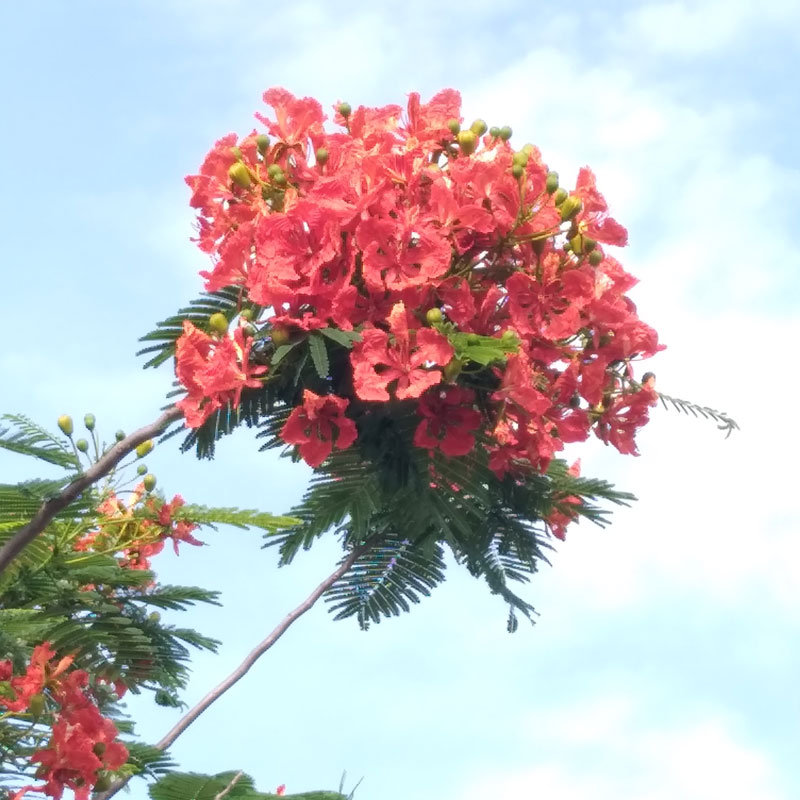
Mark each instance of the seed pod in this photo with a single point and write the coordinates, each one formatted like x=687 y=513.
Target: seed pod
x=218 y=322
x=82 y=445
x=467 y=142
x=65 y=423
x=552 y=182
x=144 y=448
x=434 y=315
x=89 y=421
x=479 y=127
x=454 y=126
x=149 y=482
x=240 y=175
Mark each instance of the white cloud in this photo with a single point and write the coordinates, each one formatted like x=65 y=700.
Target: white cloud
x=606 y=749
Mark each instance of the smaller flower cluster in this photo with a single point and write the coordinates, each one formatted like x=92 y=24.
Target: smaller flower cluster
x=83 y=746
x=138 y=529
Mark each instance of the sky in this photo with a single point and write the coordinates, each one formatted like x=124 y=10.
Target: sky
x=665 y=658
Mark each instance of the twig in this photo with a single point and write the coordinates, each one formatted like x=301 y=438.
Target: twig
x=240 y=671
x=25 y=535
x=230 y=786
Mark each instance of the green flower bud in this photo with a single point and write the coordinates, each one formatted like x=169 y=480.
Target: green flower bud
x=322 y=155
x=595 y=257
x=467 y=142
x=505 y=133
x=141 y=469
x=65 y=423
x=552 y=182
x=149 y=482
x=509 y=335
x=36 y=705
x=89 y=421
x=454 y=125
x=520 y=157
x=236 y=153
x=344 y=109
x=218 y=322
x=479 y=127
x=82 y=445
x=279 y=336
x=144 y=448
x=262 y=143
x=119 y=435
x=247 y=314
x=103 y=781
x=452 y=369
x=560 y=196
x=434 y=315
x=273 y=170
x=517 y=170
x=570 y=207
x=154 y=617
x=528 y=148
x=494 y=131
x=240 y=175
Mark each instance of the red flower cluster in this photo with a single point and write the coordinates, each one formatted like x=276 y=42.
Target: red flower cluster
x=448 y=253
x=83 y=743
x=137 y=538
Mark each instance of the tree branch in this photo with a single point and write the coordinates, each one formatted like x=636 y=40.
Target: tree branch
x=44 y=516
x=230 y=786
x=248 y=662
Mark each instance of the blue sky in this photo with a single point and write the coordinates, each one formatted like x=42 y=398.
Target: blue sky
x=664 y=662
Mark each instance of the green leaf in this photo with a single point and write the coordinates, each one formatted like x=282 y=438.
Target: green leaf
x=319 y=355
x=281 y=352
x=344 y=338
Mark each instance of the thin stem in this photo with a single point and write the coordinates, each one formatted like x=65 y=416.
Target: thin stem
x=44 y=516
x=243 y=668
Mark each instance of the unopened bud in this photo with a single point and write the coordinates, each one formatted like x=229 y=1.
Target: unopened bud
x=467 y=142
x=149 y=482
x=119 y=435
x=322 y=155
x=65 y=423
x=141 y=469
x=144 y=448
x=246 y=314
x=240 y=175
x=344 y=109
x=452 y=369
x=218 y=322
x=279 y=336
x=82 y=445
x=551 y=184
x=262 y=143
x=36 y=705
x=479 y=127
x=570 y=207
x=89 y=421
x=520 y=157
x=595 y=257
x=454 y=126
x=494 y=131
x=505 y=133
x=560 y=196
x=517 y=170
x=434 y=315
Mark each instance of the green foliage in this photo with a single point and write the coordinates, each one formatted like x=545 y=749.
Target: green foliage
x=724 y=422
x=233 y=785
x=27 y=438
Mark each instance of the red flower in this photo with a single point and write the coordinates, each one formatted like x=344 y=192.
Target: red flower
x=281 y=790
x=406 y=357
x=318 y=426
x=213 y=371
x=448 y=420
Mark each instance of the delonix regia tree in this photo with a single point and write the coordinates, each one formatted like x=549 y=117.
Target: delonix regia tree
x=415 y=308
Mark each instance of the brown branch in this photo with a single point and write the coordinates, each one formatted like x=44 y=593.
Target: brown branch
x=44 y=516
x=240 y=671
